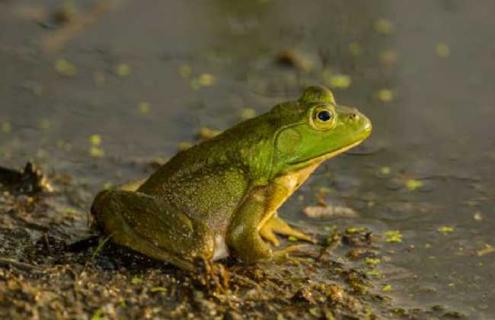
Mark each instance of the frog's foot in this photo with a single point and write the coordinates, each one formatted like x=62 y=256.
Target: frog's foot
x=277 y=225
x=286 y=253
x=248 y=245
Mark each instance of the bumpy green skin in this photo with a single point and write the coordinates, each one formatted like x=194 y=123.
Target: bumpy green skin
x=220 y=197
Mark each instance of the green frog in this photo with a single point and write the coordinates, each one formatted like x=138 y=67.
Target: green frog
x=221 y=196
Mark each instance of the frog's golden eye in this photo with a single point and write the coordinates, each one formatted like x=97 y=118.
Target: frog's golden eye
x=322 y=117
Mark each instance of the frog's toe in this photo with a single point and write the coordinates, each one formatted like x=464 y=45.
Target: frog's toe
x=299 y=235
x=267 y=233
x=285 y=253
x=277 y=225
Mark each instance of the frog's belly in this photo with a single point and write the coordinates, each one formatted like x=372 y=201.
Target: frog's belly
x=221 y=249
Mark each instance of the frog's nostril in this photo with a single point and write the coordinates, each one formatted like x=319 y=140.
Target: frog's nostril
x=353 y=116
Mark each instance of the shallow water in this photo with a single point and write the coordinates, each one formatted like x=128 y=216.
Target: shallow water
x=437 y=130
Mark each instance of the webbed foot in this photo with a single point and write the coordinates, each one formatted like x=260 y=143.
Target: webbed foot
x=277 y=225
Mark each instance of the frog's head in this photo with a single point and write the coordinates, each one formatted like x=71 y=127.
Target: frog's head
x=314 y=129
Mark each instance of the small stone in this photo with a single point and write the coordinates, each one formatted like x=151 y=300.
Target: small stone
x=304 y=295
x=335 y=293
x=477 y=216
x=295 y=59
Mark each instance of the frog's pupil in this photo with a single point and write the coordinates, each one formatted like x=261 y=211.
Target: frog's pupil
x=324 y=115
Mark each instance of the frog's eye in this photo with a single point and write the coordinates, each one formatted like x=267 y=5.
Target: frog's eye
x=322 y=117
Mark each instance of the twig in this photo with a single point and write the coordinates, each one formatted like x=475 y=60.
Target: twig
x=26 y=267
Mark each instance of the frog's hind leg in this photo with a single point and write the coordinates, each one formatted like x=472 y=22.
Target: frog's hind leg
x=153 y=227
x=276 y=225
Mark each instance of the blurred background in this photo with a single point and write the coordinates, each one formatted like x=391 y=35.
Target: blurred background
x=97 y=90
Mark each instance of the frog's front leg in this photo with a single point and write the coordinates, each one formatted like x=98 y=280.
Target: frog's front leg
x=243 y=235
x=276 y=225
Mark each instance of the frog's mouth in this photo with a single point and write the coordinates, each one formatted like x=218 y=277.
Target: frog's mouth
x=325 y=156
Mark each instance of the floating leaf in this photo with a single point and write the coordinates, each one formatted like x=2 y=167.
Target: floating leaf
x=385 y=95
x=206 y=80
x=185 y=71
x=6 y=127
x=413 y=184
x=446 y=229
x=65 y=68
x=123 y=70
x=340 y=81
x=144 y=107
x=383 y=26
x=95 y=139
x=442 y=50
x=393 y=236
x=486 y=250
x=387 y=288
x=372 y=262
x=385 y=170
x=355 y=49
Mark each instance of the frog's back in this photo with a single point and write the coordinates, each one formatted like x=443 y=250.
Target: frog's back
x=246 y=149
x=208 y=180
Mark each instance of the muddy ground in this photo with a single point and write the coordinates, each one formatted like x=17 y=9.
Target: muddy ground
x=48 y=273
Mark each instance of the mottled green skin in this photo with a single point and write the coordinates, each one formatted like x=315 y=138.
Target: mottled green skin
x=221 y=196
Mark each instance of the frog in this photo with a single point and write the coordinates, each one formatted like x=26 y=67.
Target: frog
x=221 y=197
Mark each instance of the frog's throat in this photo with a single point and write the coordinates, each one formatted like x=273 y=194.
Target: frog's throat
x=283 y=187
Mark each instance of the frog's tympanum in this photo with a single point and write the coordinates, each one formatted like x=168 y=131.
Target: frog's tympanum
x=221 y=196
